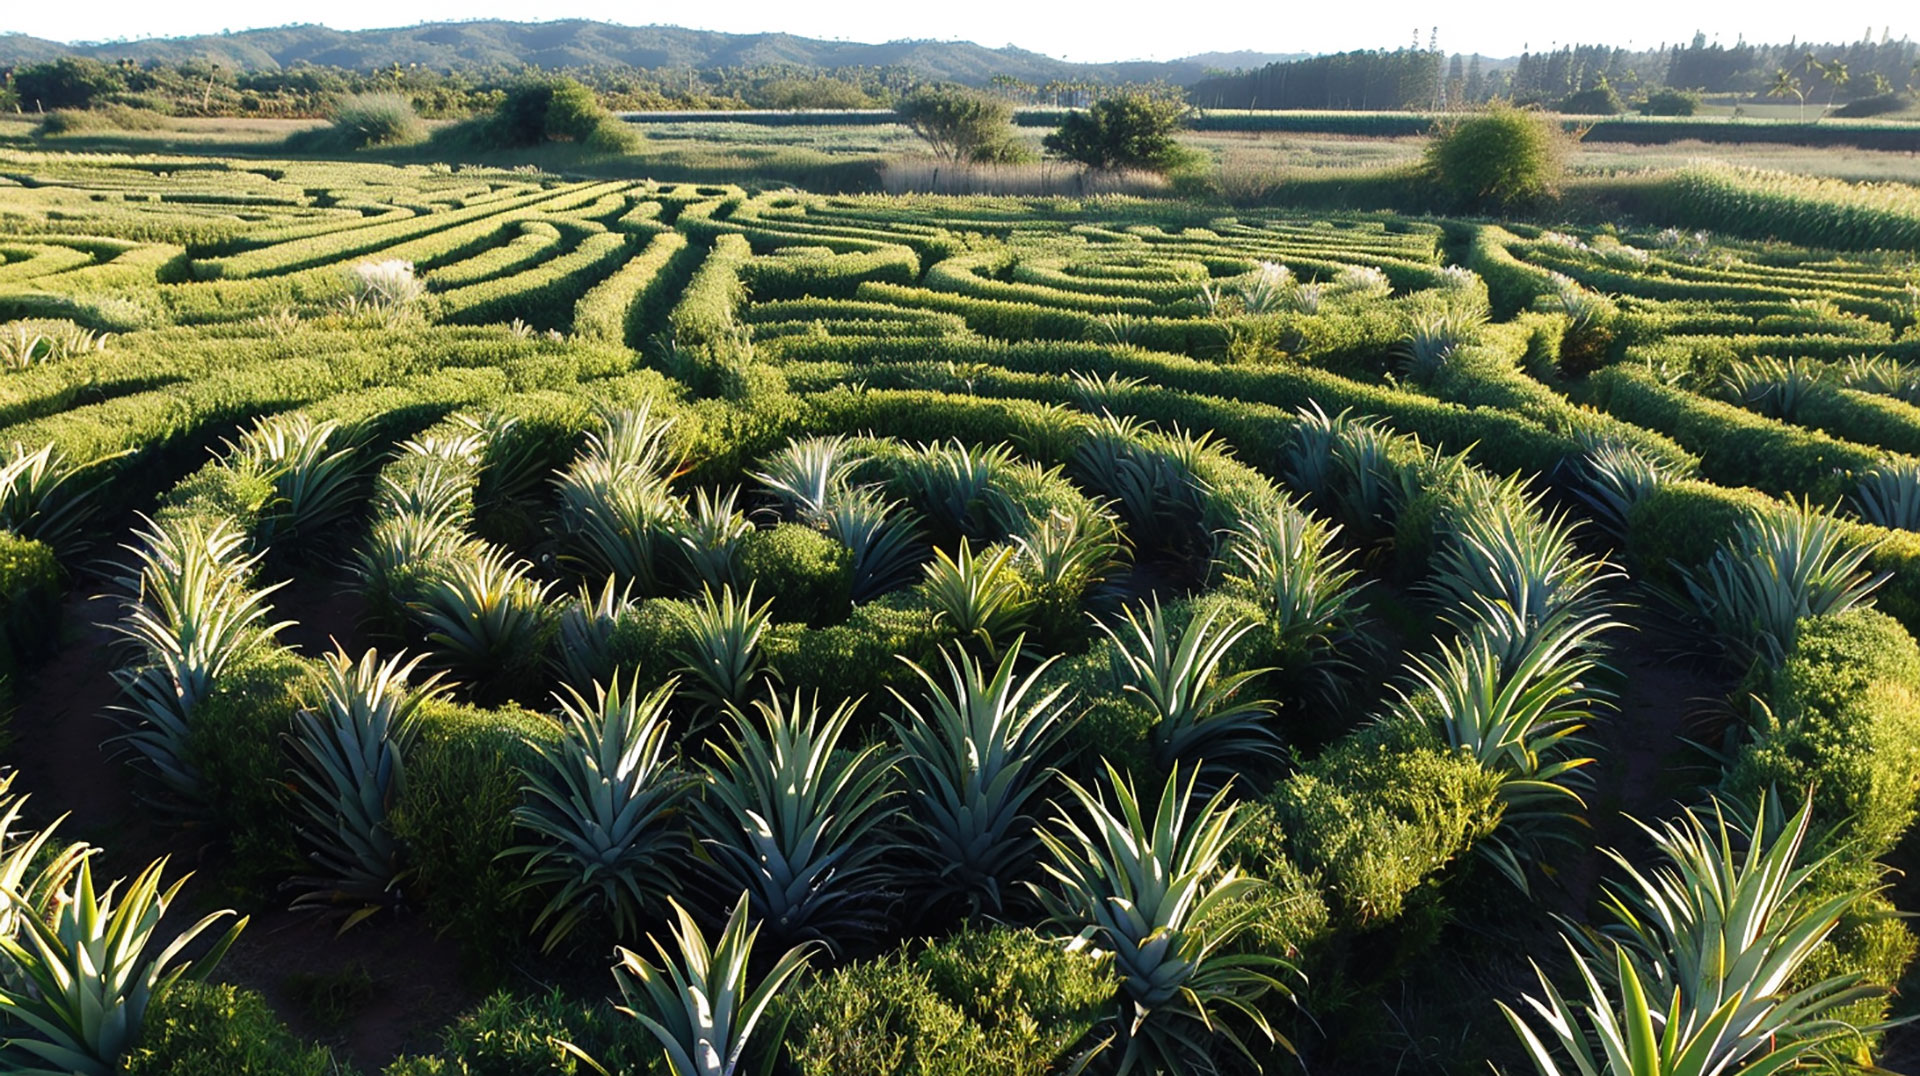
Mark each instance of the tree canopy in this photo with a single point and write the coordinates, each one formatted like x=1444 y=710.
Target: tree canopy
x=1129 y=130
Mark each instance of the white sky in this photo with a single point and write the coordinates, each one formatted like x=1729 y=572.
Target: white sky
x=1080 y=30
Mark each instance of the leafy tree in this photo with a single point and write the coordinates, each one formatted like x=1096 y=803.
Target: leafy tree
x=1502 y=157
x=961 y=125
x=1130 y=130
x=823 y=91
x=69 y=82
x=1601 y=100
x=1671 y=103
x=556 y=110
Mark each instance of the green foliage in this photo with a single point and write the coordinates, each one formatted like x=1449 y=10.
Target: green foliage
x=1843 y=718
x=351 y=750
x=791 y=821
x=31 y=583
x=236 y=733
x=808 y=576
x=1776 y=570
x=1670 y=102
x=1181 y=673
x=530 y=1035
x=1380 y=814
x=192 y=613
x=489 y=624
x=92 y=964
x=698 y=1001
x=377 y=119
x=601 y=805
x=456 y=818
x=555 y=110
x=996 y=1000
x=1708 y=945
x=980 y=598
x=977 y=750
x=68 y=82
x=1151 y=889
x=1502 y=158
x=221 y=1030
x=959 y=124
x=1600 y=100
x=1127 y=131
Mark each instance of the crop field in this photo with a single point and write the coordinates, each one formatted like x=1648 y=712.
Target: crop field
x=1088 y=635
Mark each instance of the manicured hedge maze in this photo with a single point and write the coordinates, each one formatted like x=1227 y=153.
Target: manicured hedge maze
x=945 y=579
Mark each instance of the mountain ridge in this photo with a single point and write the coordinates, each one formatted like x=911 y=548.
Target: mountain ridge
x=497 y=44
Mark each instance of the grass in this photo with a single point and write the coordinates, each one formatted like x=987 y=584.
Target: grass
x=887 y=157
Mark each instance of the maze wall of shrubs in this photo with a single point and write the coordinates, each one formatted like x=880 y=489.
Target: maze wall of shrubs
x=1104 y=634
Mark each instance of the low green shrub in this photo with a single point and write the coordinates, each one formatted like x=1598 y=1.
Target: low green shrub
x=1000 y=1001
x=377 y=119
x=236 y=745
x=31 y=583
x=645 y=641
x=210 y=1029
x=860 y=657
x=1845 y=722
x=522 y=1035
x=808 y=575
x=1381 y=812
x=1736 y=447
x=456 y=818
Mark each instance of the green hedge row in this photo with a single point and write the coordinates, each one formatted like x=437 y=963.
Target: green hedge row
x=794 y=274
x=1736 y=447
x=543 y=296
x=535 y=241
x=417 y=238
x=618 y=309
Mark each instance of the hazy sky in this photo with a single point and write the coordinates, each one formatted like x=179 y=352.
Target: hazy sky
x=1086 y=30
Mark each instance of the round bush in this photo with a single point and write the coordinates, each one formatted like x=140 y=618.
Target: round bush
x=1504 y=157
x=808 y=575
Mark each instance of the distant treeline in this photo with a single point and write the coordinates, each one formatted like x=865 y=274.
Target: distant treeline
x=197 y=88
x=201 y=88
x=1405 y=78
x=1417 y=79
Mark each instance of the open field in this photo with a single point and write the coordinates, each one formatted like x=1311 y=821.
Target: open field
x=855 y=158
x=1306 y=610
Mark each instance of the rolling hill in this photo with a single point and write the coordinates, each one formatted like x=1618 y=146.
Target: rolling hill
x=579 y=43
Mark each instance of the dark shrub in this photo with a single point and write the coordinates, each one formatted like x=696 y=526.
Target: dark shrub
x=1671 y=103
x=1601 y=100
x=555 y=110
x=1879 y=104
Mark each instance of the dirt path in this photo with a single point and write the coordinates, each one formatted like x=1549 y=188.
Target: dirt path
x=1645 y=769
x=382 y=989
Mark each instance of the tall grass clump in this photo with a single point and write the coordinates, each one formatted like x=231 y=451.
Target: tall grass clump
x=376 y=119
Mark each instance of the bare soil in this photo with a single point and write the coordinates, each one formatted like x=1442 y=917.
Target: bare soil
x=389 y=986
